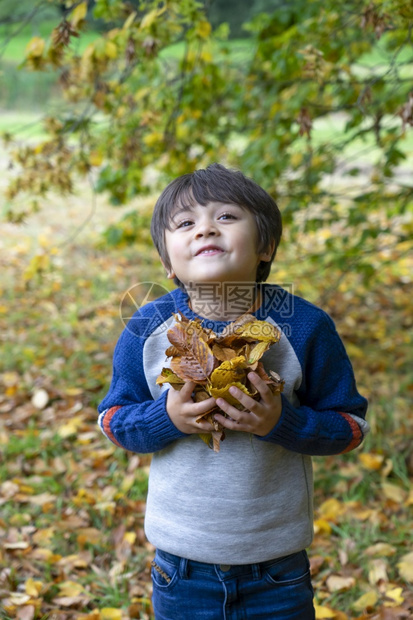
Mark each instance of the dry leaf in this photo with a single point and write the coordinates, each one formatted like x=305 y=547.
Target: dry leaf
x=371 y=461
x=110 y=613
x=405 y=567
x=377 y=571
x=395 y=596
x=215 y=363
x=367 y=600
x=336 y=583
x=26 y=612
x=381 y=549
x=393 y=492
x=322 y=612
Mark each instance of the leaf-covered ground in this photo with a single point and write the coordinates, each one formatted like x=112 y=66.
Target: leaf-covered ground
x=71 y=525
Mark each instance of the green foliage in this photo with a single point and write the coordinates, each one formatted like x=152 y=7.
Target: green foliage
x=139 y=117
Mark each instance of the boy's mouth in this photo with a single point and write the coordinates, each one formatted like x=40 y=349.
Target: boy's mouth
x=209 y=249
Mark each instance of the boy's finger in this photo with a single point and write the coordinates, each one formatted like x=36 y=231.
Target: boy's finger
x=206 y=404
x=233 y=412
x=261 y=386
x=244 y=399
x=188 y=388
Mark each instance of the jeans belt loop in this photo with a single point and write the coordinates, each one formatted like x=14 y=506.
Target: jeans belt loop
x=256 y=571
x=183 y=568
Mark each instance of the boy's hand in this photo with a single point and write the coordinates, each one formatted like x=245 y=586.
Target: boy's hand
x=260 y=416
x=183 y=411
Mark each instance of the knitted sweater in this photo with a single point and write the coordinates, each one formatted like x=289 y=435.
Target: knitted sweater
x=252 y=501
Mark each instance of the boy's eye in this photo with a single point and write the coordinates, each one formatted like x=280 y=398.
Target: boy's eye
x=184 y=223
x=229 y=216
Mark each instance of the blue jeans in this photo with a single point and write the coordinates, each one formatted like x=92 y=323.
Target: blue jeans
x=187 y=590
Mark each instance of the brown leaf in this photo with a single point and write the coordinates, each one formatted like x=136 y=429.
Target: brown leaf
x=26 y=612
x=223 y=354
x=203 y=354
x=188 y=368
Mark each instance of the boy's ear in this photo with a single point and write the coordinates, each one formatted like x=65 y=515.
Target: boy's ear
x=266 y=256
x=170 y=274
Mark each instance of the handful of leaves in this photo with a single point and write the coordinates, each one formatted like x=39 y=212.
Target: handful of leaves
x=216 y=362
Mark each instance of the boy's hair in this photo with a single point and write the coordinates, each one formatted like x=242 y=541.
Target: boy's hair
x=218 y=184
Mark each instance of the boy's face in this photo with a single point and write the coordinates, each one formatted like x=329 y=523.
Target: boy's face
x=213 y=243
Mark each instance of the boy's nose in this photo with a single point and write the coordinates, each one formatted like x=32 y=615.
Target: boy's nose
x=206 y=229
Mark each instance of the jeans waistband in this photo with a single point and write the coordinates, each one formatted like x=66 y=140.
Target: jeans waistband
x=186 y=567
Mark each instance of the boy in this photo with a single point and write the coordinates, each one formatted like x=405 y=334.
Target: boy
x=230 y=528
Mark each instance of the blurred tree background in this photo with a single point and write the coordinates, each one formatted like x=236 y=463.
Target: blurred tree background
x=102 y=103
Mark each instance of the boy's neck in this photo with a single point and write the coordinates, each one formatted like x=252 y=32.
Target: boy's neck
x=224 y=302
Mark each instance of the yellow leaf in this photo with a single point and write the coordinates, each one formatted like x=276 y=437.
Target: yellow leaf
x=110 y=613
x=35 y=47
x=393 y=492
x=206 y=438
x=405 y=567
x=369 y=599
x=73 y=391
x=409 y=501
x=259 y=330
x=150 y=18
x=111 y=49
x=331 y=509
x=10 y=379
x=95 y=158
x=33 y=587
x=207 y=57
x=377 y=571
x=70 y=588
x=371 y=461
x=225 y=394
x=71 y=428
x=130 y=537
x=380 y=550
x=128 y=23
x=142 y=93
x=229 y=372
x=258 y=351
x=90 y=535
x=322 y=612
x=43 y=537
x=395 y=596
x=150 y=139
x=296 y=158
x=203 y=29
x=354 y=351
x=78 y=14
x=322 y=526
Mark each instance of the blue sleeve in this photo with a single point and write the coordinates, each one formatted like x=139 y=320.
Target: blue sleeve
x=129 y=416
x=330 y=417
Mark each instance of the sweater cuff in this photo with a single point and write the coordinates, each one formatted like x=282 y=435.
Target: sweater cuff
x=285 y=431
x=161 y=423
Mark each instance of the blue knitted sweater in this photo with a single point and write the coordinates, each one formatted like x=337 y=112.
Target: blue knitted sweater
x=252 y=501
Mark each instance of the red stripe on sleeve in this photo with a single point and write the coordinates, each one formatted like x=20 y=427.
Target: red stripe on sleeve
x=106 y=424
x=357 y=434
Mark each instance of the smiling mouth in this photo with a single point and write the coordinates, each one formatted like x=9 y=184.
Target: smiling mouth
x=209 y=251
